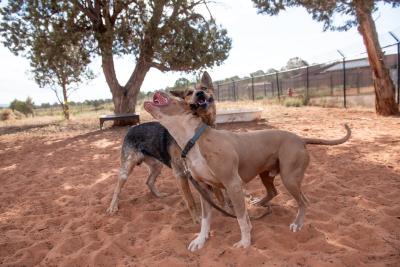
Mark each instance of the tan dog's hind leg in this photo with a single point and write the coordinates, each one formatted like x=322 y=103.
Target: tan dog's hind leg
x=128 y=161
x=154 y=167
x=201 y=238
x=292 y=173
x=235 y=193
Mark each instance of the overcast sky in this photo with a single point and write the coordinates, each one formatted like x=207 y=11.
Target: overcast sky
x=259 y=42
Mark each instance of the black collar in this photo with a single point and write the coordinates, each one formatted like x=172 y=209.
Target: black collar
x=193 y=140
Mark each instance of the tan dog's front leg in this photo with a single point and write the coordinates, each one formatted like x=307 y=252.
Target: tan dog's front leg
x=201 y=238
x=183 y=185
x=235 y=192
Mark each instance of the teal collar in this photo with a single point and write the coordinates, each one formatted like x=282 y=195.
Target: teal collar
x=193 y=140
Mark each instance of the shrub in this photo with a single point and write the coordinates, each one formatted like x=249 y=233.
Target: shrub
x=25 y=107
x=293 y=102
x=8 y=114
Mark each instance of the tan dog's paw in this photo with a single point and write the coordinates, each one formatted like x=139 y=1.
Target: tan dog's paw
x=242 y=244
x=295 y=227
x=197 y=243
x=112 y=209
x=161 y=194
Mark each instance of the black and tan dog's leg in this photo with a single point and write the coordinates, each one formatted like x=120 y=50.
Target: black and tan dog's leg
x=236 y=194
x=268 y=182
x=206 y=213
x=154 y=167
x=129 y=159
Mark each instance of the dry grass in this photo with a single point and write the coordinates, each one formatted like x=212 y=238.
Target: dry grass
x=88 y=119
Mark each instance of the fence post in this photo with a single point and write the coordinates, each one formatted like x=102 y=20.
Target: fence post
x=265 y=89
x=218 y=91
x=344 y=78
x=398 y=72
x=307 y=82
x=272 y=88
x=398 y=67
x=277 y=85
x=252 y=87
x=344 y=82
x=234 y=91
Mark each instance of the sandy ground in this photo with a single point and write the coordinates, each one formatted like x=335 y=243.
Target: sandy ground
x=57 y=181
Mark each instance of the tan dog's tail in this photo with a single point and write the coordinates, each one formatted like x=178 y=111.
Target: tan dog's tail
x=316 y=141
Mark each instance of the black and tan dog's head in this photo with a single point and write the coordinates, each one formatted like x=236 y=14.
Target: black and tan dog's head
x=201 y=99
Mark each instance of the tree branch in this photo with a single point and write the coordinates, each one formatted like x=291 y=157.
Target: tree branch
x=160 y=67
x=87 y=11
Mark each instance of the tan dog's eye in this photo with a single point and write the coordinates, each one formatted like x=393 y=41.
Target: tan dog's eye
x=189 y=93
x=203 y=88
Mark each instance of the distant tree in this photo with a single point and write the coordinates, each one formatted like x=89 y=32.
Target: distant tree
x=45 y=105
x=169 y=35
x=257 y=73
x=271 y=70
x=181 y=83
x=58 y=63
x=230 y=79
x=25 y=107
x=295 y=63
x=358 y=13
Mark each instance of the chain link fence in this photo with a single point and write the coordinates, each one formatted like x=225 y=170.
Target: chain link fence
x=342 y=83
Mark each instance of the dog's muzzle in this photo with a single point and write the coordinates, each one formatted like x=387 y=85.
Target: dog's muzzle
x=201 y=102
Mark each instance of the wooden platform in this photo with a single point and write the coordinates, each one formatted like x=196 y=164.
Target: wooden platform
x=129 y=118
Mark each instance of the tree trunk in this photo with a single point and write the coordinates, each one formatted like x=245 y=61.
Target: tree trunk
x=124 y=97
x=65 y=104
x=384 y=88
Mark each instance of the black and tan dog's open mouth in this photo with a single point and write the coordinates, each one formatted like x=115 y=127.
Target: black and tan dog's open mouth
x=201 y=102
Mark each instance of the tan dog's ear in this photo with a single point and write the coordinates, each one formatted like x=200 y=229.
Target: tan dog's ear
x=178 y=93
x=206 y=81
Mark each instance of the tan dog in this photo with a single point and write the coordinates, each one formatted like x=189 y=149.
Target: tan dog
x=244 y=155
x=151 y=144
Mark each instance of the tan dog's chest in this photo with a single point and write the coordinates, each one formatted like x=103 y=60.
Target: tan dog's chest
x=199 y=168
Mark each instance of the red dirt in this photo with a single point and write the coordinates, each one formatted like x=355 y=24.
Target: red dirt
x=56 y=184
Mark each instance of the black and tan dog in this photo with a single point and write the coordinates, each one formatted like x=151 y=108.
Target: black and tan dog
x=227 y=160
x=151 y=143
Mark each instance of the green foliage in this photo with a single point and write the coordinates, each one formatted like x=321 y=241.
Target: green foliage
x=25 y=107
x=257 y=73
x=293 y=102
x=271 y=70
x=323 y=11
x=181 y=83
x=170 y=35
x=294 y=63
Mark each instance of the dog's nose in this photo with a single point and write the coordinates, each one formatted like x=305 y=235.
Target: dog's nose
x=200 y=93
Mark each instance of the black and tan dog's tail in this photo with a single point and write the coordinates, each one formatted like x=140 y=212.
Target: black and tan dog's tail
x=316 y=141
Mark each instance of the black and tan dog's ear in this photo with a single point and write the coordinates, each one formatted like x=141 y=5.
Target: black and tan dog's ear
x=206 y=81
x=178 y=93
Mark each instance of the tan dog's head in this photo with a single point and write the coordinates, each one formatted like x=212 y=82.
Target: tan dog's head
x=200 y=99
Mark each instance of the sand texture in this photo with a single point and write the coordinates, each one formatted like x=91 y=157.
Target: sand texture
x=57 y=182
